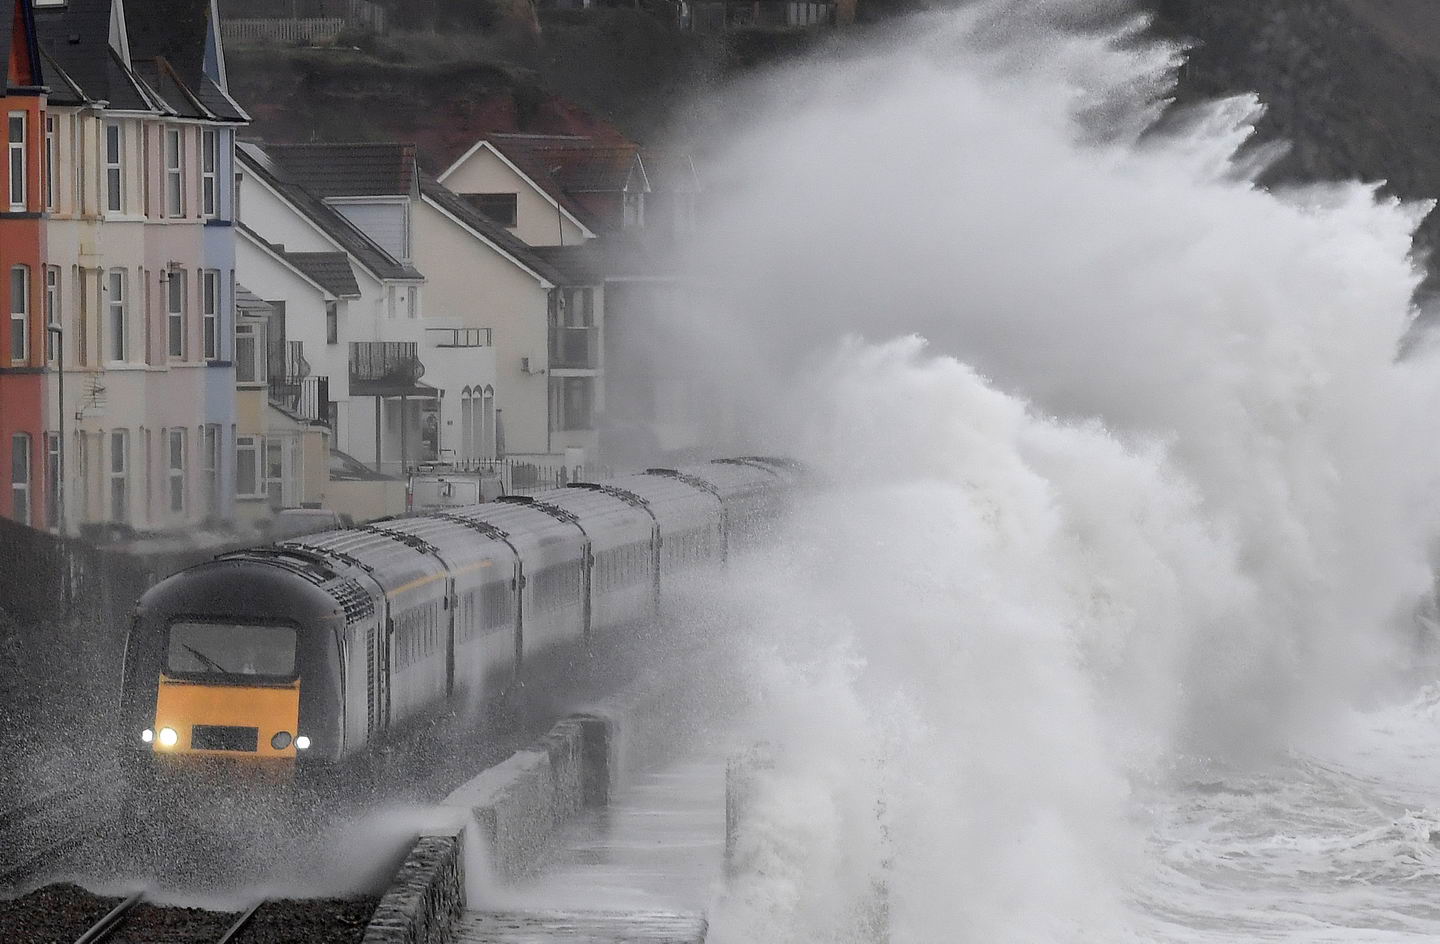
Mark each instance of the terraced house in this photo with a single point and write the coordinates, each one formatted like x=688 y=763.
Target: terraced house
x=24 y=185
x=139 y=278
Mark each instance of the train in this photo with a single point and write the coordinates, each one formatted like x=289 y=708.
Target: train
x=318 y=649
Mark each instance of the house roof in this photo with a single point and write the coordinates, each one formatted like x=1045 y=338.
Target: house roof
x=173 y=30
x=168 y=42
x=248 y=301
x=330 y=269
x=577 y=164
x=349 y=170
x=507 y=241
x=63 y=89
x=77 y=38
x=518 y=150
x=8 y=17
x=670 y=171
x=610 y=258
x=361 y=248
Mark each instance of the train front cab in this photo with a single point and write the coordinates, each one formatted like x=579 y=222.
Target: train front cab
x=235 y=663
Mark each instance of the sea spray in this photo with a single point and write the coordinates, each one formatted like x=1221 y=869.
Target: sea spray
x=1153 y=485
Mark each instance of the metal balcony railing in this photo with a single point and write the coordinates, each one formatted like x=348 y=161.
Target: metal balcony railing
x=458 y=337
x=305 y=397
x=575 y=348
x=385 y=361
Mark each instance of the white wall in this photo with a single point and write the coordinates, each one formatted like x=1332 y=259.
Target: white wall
x=539 y=223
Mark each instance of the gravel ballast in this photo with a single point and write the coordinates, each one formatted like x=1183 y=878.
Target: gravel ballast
x=57 y=914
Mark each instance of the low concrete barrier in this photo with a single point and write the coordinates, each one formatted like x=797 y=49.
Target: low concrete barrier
x=426 y=897
x=520 y=804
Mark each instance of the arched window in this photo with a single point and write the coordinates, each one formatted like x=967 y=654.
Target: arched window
x=487 y=420
x=467 y=411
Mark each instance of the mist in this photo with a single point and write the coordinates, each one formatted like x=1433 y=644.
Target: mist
x=1119 y=464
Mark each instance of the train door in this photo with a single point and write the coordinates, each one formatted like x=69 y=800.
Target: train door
x=587 y=601
x=450 y=605
x=384 y=667
x=519 y=586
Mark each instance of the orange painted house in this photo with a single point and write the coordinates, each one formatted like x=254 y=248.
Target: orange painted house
x=24 y=468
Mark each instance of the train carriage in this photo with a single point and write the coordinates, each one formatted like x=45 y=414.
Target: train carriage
x=312 y=650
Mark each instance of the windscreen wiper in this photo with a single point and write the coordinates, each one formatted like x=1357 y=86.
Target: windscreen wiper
x=209 y=662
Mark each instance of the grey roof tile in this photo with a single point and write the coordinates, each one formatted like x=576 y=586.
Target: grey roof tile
x=349 y=170
x=255 y=157
x=463 y=210
x=330 y=269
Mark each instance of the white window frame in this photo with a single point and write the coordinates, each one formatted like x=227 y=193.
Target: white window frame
x=19 y=314
x=210 y=313
x=254 y=448
x=117 y=310
x=49 y=182
x=175 y=317
x=209 y=173
x=52 y=314
x=118 y=476
x=175 y=493
x=175 y=173
x=274 y=485
x=21 y=449
x=52 y=480
x=257 y=360
x=210 y=465
x=18 y=161
x=114 y=167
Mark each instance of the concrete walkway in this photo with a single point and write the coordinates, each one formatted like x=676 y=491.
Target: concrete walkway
x=638 y=927
x=639 y=871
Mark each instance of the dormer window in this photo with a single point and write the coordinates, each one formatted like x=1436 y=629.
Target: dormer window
x=502 y=208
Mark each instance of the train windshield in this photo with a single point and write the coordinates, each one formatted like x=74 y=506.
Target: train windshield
x=231 y=649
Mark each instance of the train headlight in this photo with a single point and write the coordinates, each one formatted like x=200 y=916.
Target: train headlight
x=168 y=737
x=147 y=735
x=281 y=740
x=302 y=743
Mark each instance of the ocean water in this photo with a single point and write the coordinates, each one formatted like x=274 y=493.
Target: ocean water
x=1100 y=622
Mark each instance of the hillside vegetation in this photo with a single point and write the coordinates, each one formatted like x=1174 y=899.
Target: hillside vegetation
x=1352 y=85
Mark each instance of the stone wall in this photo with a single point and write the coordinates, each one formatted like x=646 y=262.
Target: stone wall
x=519 y=805
x=426 y=897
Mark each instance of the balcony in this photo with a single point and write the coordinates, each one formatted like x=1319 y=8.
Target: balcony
x=387 y=369
x=575 y=348
x=458 y=337
x=305 y=397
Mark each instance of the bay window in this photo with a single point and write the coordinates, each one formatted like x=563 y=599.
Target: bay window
x=174 y=173
x=20 y=477
x=19 y=163
x=175 y=314
x=19 y=313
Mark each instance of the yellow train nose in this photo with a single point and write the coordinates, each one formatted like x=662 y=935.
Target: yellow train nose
x=205 y=718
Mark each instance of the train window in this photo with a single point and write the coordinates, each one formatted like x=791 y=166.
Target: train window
x=496 y=606
x=197 y=649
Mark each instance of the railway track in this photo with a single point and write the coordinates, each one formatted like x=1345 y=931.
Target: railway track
x=115 y=918
x=49 y=828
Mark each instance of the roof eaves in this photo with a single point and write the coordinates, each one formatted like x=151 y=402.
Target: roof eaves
x=274 y=252
x=546 y=279
x=555 y=196
x=74 y=86
x=185 y=90
x=333 y=225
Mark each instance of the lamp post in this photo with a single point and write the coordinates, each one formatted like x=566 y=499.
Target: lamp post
x=59 y=333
